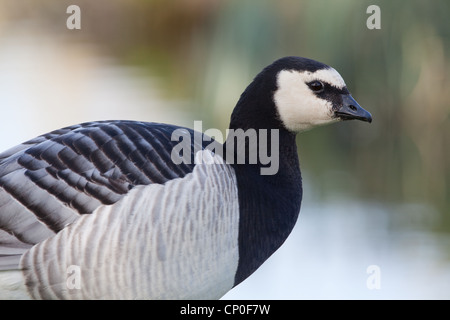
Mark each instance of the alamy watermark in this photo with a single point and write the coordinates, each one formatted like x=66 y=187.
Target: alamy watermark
x=249 y=146
x=74 y=277
x=374 y=20
x=74 y=20
x=374 y=279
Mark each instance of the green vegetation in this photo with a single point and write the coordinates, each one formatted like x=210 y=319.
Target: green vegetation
x=206 y=52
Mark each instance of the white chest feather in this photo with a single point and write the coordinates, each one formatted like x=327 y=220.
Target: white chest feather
x=172 y=241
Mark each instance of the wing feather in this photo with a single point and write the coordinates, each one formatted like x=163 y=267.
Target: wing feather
x=47 y=182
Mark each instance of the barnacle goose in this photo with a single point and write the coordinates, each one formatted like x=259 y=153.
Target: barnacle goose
x=101 y=210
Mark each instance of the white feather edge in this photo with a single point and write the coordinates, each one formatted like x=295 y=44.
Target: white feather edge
x=173 y=241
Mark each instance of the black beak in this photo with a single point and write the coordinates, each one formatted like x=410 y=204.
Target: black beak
x=350 y=110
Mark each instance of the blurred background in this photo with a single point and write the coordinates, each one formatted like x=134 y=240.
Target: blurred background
x=375 y=194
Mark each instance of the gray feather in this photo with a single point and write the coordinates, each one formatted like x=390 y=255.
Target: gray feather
x=46 y=183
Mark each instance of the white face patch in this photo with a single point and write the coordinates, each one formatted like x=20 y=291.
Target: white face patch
x=298 y=106
x=329 y=76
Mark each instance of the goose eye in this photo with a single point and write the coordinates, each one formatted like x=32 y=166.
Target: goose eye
x=316 y=86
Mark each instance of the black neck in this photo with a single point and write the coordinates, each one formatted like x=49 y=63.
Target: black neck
x=269 y=204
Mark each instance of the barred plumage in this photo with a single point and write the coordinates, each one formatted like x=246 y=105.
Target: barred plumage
x=47 y=182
